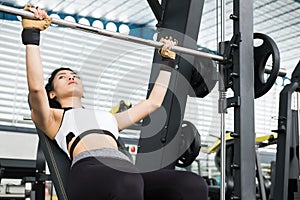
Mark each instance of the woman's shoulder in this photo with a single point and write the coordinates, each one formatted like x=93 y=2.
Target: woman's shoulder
x=51 y=123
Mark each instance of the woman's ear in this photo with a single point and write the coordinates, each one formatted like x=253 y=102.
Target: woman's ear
x=52 y=95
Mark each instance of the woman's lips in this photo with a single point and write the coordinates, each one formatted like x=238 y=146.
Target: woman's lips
x=72 y=82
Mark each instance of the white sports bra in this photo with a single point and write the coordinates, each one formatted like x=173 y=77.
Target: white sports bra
x=79 y=120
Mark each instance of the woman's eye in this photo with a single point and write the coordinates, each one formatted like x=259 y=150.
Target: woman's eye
x=61 y=77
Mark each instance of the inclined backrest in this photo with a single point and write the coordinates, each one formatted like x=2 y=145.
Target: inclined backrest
x=58 y=164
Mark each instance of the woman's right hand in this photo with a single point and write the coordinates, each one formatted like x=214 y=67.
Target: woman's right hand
x=41 y=22
x=32 y=27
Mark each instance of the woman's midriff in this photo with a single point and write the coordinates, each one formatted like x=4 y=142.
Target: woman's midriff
x=93 y=141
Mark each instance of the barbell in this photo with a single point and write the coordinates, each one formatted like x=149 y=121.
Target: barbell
x=107 y=33
x=82 y=27
x=99 y=31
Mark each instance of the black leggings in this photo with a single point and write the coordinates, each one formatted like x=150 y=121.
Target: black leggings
x=90 y=179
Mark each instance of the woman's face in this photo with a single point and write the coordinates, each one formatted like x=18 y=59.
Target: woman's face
x=66 y=84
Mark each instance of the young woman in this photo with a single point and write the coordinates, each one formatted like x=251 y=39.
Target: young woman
x=99 y=170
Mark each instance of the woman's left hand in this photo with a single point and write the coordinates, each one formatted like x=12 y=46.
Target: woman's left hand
x=166 y=50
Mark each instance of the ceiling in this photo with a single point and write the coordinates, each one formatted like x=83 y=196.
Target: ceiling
x=277 y=18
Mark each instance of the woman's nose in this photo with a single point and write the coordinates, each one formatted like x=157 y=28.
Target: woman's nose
x=71 y=78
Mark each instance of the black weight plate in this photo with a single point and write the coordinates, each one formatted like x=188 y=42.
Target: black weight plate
x=261 y=55
x=204 y=77
x=191 y=144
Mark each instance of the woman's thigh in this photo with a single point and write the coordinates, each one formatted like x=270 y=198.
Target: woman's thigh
x=168 y=184
x=91 y=179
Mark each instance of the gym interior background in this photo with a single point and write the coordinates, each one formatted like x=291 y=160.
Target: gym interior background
x=115 y=70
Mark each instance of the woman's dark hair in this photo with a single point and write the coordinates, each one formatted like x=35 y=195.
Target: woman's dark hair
x=50 y=87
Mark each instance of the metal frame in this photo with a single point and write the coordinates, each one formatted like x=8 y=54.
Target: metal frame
x=243 y=87
x=38 y=166
x=157 y=151
x=29 y=171
x=287 y=164
x=156 y=8
x=17 y=129
x=222 y=96
x=240 y=74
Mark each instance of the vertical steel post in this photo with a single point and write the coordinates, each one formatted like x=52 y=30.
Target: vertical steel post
x=243 y=87
x=222 y=93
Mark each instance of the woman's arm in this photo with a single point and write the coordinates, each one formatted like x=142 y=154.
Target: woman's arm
x=40 y=110
x=144 y=108
x=141 y=110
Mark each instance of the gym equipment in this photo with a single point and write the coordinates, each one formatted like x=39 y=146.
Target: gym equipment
x=121 y=106
x=261 y=54
x=112 y=34
x=58 y=162
x=263 y=186
x=82 y=27
x=16 y=169
x=191 y=144
x=73 y=25
x=161 y=149
x=262 y=51
x=30 y=172
x=287 y=155
x=204 y=77
x=261 y=141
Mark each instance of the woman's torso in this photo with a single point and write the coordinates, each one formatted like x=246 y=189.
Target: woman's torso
x=79 y=120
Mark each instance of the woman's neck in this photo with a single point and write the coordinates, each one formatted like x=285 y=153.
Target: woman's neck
x=71 y=102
